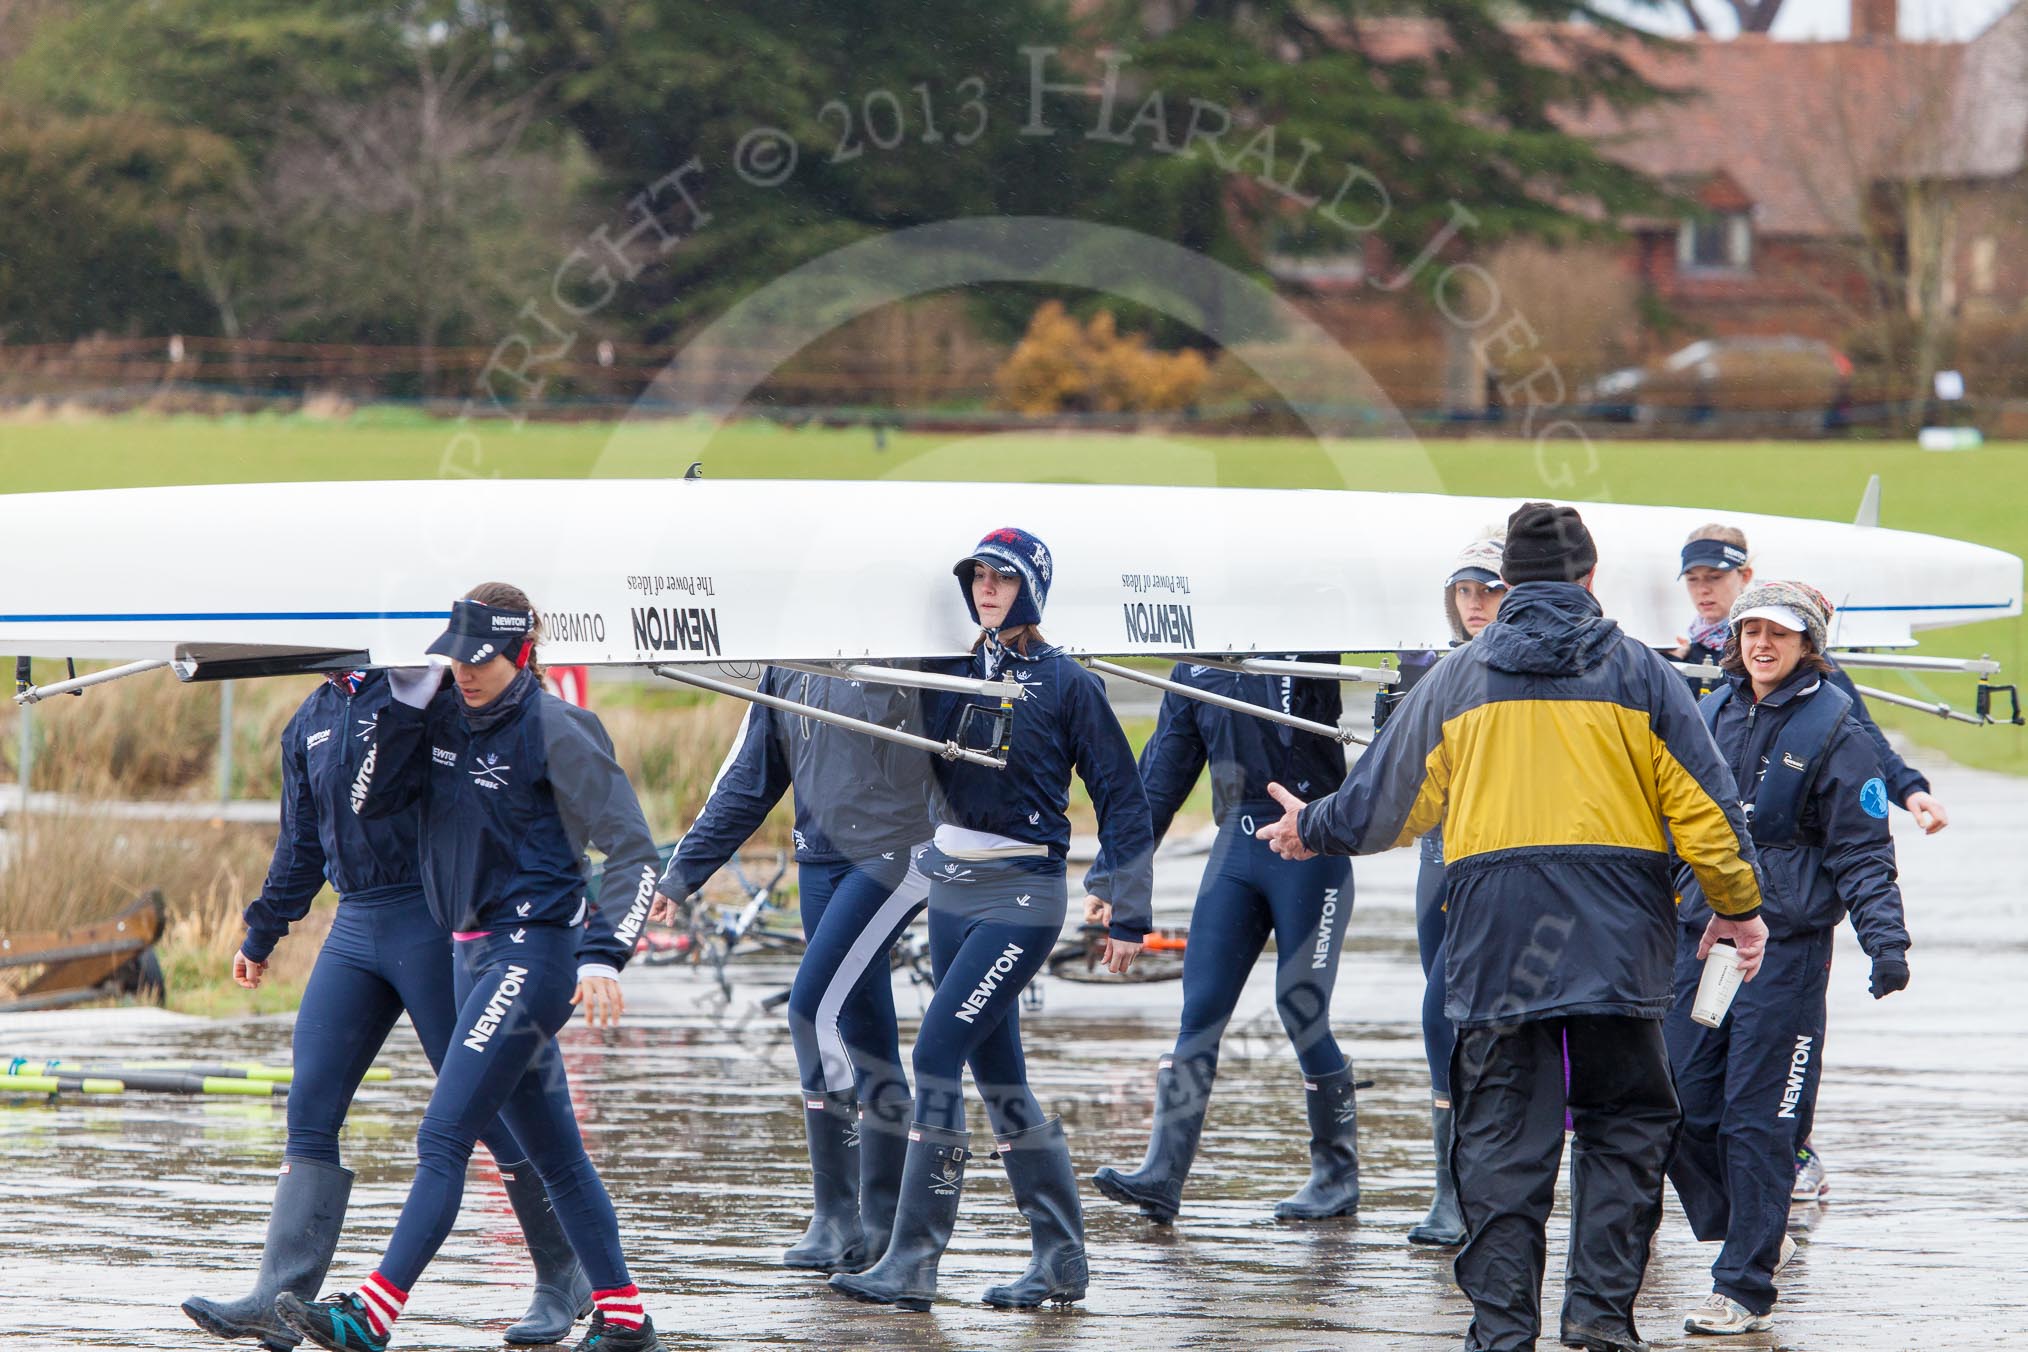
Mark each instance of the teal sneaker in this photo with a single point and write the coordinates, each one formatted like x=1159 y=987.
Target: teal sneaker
x=338 y=1322
x=604 y=1337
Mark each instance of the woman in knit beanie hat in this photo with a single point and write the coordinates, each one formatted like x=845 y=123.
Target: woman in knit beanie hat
x=1790 y=605
x=1816 y=804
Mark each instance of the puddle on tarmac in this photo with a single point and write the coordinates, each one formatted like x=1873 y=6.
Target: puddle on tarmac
x=111 y=1214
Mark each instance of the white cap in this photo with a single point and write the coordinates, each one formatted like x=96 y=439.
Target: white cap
x=1784 y=616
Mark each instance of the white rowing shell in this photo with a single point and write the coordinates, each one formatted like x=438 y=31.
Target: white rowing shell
x=663 y=570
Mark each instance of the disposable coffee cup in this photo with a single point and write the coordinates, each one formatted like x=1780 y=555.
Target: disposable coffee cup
x=1718 y=985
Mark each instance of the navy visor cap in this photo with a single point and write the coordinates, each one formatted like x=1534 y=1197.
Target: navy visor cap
x=479 y=633
x=1712 y=554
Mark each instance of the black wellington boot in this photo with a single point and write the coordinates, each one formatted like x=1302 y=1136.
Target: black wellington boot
x=310 y=1199
x=563 y=1294
x=1181 y=1097
x=833 y=1242
x=1333 y=1189
x=1045 y=1188
x=1445 y=1224
x=932 y=1180
x=883 y=1150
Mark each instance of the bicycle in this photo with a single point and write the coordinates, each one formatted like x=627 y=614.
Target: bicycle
x=707 y=931
x=1077 y=958
x=911 y=954
x=724 y=933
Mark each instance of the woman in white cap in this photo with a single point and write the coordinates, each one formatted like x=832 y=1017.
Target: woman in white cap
x=1472 y=596
x=1817 y=809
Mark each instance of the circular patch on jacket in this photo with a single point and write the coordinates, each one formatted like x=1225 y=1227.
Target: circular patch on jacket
x=1873 y=797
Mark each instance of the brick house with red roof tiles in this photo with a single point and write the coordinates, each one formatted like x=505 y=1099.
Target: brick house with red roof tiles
x=1870 y=192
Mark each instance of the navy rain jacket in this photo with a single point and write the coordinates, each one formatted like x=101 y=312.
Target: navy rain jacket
x=1842 y=858
x=321 y=839
x=857 y=797
x=510 y=795
x=1064 y=724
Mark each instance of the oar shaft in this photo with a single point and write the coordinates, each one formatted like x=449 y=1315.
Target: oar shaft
x=145 y=1081
x=51 y=1084
x=245 y=1070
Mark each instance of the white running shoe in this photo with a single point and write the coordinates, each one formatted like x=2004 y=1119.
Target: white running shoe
x=1782 y=1259
x=1811 y=1185
x=1721 y=1314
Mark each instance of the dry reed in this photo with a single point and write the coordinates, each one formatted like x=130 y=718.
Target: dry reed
x=151 y=737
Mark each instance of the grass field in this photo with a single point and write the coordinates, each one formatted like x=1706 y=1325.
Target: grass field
x=1977 y=495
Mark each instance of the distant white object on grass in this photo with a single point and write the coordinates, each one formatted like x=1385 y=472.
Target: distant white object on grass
x=1950 y=438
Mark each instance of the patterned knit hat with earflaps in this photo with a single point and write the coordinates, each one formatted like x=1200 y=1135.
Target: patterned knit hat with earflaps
x=1010 y=552
x=1785 y=603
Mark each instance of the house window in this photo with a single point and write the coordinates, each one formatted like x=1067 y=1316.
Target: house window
x=1722 y=242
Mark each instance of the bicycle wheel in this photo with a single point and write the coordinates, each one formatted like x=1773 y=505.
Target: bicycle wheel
x=661 y=945
x=910 y=953
x=772 y=943
x=1077 y=959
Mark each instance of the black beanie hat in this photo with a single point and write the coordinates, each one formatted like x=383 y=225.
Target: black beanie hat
x=1547 y=543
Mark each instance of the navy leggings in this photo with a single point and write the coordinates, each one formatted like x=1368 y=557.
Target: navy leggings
x=1745 y=1086
x=1248 y=893
x=991 y=927
x=1438 y=1035
x=513 y=992
x=378 y=960
x=841 y=1007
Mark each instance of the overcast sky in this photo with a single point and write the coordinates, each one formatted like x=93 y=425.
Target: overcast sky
x=1956 y=19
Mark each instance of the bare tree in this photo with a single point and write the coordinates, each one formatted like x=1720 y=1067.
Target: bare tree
x=419 y=211
x=1875 y=154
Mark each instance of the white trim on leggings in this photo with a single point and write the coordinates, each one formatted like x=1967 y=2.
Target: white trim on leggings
x=871 y=946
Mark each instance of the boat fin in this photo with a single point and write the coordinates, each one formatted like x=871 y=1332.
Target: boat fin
x=1869 y=504
x=234 y=662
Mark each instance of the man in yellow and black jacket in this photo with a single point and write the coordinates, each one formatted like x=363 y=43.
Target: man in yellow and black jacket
x=1563 y=760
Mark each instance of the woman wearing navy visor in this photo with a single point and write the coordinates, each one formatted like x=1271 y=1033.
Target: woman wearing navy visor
x=385 y=955
x=1472 y=596
x=1817 y=810
x=997 y=902
x=862 y=810
x=1249 y=894
x=511 y=784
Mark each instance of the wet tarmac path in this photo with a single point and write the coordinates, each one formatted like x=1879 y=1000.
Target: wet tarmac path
x=112 y=1213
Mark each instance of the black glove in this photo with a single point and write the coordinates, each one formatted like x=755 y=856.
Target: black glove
x=1890 y=973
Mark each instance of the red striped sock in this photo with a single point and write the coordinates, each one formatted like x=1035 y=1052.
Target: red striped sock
x=621 y=1306
x=383 y=1302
